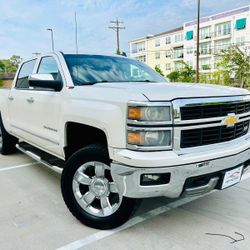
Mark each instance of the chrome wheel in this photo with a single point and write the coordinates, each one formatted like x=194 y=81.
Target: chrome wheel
x=94 y=189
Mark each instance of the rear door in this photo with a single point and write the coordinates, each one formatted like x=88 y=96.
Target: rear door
x=20 y=106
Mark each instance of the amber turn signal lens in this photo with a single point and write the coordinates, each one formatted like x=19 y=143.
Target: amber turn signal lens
x=134 y=113
x=135 y=138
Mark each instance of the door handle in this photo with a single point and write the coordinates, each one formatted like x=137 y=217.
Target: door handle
x=11 y=98
x=30 y=100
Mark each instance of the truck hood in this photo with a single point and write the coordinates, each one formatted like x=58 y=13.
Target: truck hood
x=170 y=91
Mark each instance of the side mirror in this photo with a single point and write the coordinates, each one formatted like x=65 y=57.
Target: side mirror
x=45 y=81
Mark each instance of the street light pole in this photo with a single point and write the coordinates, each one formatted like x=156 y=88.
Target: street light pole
x=197 y=78
x=52 y=39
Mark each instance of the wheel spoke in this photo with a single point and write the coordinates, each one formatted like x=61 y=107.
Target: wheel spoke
x=99 y=170
x=106 y=207
x=88 y=198
x=82 y=178
x=113 y=188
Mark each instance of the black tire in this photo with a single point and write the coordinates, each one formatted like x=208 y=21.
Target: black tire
x=95 y=152
x=8 y=141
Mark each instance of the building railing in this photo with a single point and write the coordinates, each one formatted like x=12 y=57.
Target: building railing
x=214 y=34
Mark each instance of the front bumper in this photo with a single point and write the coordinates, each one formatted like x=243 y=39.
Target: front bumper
x=127 y=178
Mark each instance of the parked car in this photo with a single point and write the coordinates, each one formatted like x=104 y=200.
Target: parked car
x=118 y=132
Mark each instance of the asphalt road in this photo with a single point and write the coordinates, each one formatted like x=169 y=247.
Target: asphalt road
x=33 y=216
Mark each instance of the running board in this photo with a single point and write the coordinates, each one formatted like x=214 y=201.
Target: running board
x=41 y=157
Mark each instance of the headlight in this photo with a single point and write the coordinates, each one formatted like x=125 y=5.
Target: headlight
x=149 y=114
x=149 y=139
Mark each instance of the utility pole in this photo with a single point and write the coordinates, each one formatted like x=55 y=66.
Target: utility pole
x=52 y=39
x=197 y=78
x=116 y=27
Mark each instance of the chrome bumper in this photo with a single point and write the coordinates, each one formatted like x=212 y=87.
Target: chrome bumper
x=127 y=178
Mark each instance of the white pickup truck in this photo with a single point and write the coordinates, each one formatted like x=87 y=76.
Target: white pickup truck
x=118 y=131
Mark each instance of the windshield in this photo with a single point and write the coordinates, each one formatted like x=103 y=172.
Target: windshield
x=90 y=69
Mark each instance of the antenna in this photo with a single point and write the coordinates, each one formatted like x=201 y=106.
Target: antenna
x=76 y=34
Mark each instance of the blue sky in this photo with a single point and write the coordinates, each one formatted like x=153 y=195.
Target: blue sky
x=23 y=23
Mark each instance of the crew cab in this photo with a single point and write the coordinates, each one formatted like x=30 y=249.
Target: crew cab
x=118 y=132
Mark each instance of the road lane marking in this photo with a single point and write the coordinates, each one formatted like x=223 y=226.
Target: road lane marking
x=134 y=221
x=19 y=166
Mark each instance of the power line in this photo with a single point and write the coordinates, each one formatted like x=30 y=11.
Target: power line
x=116 y=27
x=76 y=34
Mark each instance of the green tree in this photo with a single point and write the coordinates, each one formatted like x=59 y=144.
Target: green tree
x=1 y=66
x=158 y=70
x=118 y=52
x=216 y=77
x=15 y=60
x=10 y=65
x=186 y=73
x=174 y=76
x=236 y=63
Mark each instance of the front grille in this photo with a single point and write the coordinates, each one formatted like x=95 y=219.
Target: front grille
x=205 y=136
x=213 y=110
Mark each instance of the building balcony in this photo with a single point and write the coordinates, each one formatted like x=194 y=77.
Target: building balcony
x=205 y=67
x=178 y=57
x=135 y=51
x=222 y=34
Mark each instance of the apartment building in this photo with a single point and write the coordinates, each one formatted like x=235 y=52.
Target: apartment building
x=217 y=32
x=167 y=50
x=164 y=50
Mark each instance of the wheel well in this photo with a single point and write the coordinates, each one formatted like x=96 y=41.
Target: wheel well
x=80 y=135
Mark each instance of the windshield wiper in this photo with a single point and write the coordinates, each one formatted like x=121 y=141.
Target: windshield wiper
x=103 y=81
x=91 y=83
x=143 y=81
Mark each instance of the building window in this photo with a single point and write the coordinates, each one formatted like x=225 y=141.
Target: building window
x=221 y=44
x=205 y=33
x=138 y=47
x=157 y=55
x=178 y=37
x=190 y=50
x=178 y=65
x=168 y=39
x=168 y=66
x=189 y=63
x=189 y=35
x=141 y=58
x=223 y=29
x=241 y=24
x=178 y=53
x=157 y=43
x=205 y=64
x=240 y=41
x=205 y=48
x=168 y=53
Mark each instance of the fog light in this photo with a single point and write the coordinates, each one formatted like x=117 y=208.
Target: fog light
x=155 y=179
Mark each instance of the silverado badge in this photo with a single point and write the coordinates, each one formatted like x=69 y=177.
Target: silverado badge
x=230 y=120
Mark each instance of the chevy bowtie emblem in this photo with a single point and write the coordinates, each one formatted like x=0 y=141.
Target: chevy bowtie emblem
x=230 y=120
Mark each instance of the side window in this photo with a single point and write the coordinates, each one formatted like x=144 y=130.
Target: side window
x=26 y=70
x=48 y=65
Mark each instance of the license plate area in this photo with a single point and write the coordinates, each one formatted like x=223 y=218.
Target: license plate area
x=231 y=177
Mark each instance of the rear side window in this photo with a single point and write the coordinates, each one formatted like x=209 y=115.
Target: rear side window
x=26 y=70
x=48 y=65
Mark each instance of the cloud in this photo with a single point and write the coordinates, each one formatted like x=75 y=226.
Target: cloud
x=23 y=22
